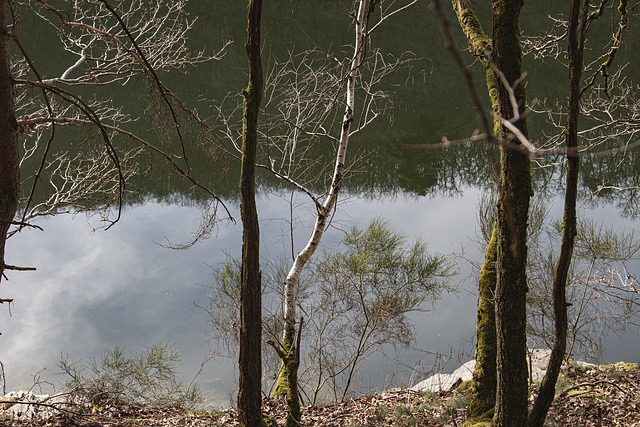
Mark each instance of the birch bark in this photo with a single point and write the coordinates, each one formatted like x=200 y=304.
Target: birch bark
x=324 y=209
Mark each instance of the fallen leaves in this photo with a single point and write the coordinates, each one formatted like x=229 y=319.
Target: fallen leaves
x=599 y=396
x=586 y=396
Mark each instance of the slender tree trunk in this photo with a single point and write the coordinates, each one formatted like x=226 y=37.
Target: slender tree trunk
x=483 y=398
x=324 y=210
x=250 y=360
x=9 y=159
x=513 y=208
x=576 y=34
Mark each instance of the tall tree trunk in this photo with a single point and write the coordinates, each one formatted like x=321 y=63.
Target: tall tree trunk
x=9 y=159
x=324 y=210
x=483 y=398
x=576 y=34
x=250 y=360
x=513 y=208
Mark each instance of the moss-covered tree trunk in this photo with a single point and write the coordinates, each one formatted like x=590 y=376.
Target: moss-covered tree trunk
x=291 y=362
x=9 y=160
x=250 y=359
x=483 y=398
x=513 y=208
x=576 y=36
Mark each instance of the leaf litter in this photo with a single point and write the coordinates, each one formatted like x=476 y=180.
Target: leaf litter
x=586 y=395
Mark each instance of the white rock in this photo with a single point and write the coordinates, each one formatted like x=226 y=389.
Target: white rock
x=25 y=411
x=538 y=358
x=446 y=382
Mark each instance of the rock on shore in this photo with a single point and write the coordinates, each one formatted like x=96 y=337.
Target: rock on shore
x=538 y=361
x=26 y=405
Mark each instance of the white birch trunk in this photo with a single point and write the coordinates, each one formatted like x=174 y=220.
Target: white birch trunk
x=291 y=282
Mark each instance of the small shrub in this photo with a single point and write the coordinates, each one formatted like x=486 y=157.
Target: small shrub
x=148 y=377
x=457 y=402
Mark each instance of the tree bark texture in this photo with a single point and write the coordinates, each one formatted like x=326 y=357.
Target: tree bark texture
x=483 y=398
x=480 y=44
x=250 y=359
x=484 y=395
x=513 y=208
x=324 y=210
x=291 y=362
x=9 y=159
x=576 y=36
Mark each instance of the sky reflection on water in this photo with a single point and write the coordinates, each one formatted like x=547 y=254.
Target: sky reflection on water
x=93 y=291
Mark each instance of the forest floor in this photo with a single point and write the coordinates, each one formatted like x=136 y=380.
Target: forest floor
x=586 y=396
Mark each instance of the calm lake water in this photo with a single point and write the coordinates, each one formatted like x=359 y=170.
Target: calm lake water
x=93 y=291
x=119 y=288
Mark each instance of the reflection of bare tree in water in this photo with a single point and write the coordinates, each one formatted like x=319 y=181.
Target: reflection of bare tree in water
x=113 y=46
x=603 y=293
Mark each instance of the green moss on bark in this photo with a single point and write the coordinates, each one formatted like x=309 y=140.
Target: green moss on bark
x=481 y=46
x=287 y=343
x=477 y=39
x=513 y=208
x=484 y=395
x=288 y=378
